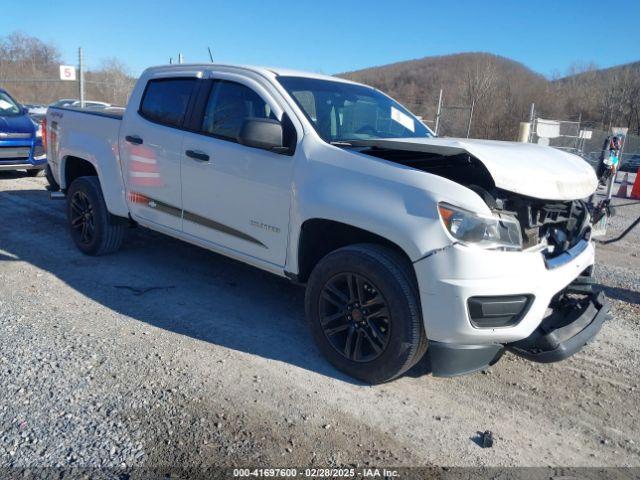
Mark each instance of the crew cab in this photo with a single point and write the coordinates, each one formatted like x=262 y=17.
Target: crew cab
x=20 y=138
x=407 y=243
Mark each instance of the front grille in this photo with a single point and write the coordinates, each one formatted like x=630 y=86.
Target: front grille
x=14 y=153
x=559 y=225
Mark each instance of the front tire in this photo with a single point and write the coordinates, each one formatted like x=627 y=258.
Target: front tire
x=363 y=309
x=93 y=229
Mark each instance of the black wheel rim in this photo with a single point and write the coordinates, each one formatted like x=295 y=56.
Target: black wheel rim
x=82 y=220
x=354 y=317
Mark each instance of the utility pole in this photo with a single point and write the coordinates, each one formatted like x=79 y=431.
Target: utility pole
x=577 y=144
x=473 y=104
x=81 y=76
x=438 y=113
x=532 y=116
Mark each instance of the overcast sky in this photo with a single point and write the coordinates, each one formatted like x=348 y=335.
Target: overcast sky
x=333 y=36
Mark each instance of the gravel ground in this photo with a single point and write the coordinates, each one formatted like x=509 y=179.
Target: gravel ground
x=167 y=355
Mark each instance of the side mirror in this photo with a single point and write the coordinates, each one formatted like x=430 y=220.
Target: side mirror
x=25 y=110
x=262 y=133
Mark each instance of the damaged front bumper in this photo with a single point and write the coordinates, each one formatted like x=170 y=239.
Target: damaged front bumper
x=573 y=323
x=576 y=316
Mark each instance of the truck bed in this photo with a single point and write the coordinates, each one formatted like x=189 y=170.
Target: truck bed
x=92 y=136
x=109 y=112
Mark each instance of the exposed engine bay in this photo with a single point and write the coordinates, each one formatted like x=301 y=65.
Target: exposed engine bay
x=549 y=225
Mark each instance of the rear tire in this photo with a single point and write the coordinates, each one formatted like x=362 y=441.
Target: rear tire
x=53 y=185
x=93 y=229
x=363 y=309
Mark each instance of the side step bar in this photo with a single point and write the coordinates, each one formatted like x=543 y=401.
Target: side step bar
x=57 y=195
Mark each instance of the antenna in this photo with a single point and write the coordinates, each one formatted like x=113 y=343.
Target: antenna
x=210 y=54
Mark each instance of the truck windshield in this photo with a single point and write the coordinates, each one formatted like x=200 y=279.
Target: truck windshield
x=8 y=107
x=344 y=112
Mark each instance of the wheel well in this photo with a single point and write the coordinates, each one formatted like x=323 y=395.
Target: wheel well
x=318 y=237
x=75 y=167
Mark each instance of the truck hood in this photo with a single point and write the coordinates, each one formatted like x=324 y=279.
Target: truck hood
x=16 y=124
x=524 y=168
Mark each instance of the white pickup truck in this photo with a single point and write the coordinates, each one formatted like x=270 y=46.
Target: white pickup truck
x=407 y=243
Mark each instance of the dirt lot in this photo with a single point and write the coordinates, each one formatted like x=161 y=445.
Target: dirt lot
x=165 y=354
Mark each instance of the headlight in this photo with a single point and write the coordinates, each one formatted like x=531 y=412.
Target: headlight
x=491 y=232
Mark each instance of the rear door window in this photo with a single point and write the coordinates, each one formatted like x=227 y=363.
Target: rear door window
x=165 y=100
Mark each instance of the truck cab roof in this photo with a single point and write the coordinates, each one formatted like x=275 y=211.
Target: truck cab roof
x=269 y=72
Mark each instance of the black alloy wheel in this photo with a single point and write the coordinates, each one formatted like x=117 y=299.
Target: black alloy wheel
x=82 y=217
x=363 y=308
x=355 y=317
x=93 y=229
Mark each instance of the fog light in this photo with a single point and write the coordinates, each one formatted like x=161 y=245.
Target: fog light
x=492 y=312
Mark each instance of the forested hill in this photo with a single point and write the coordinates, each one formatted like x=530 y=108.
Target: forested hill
x=503 y=90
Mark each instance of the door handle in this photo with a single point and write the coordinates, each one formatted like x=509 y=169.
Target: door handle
x=136 y=140
x=196 y=155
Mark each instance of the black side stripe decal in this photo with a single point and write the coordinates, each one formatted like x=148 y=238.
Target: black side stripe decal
x=192 y=217
x=164 y=207
x=206 y=222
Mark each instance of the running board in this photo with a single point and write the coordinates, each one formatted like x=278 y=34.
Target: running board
x=57 y=196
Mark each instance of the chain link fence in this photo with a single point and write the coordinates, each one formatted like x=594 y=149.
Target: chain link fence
x=444 y=120
x=454 y=122
x=561 y=134
x=44 y=91
x=580 y=138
